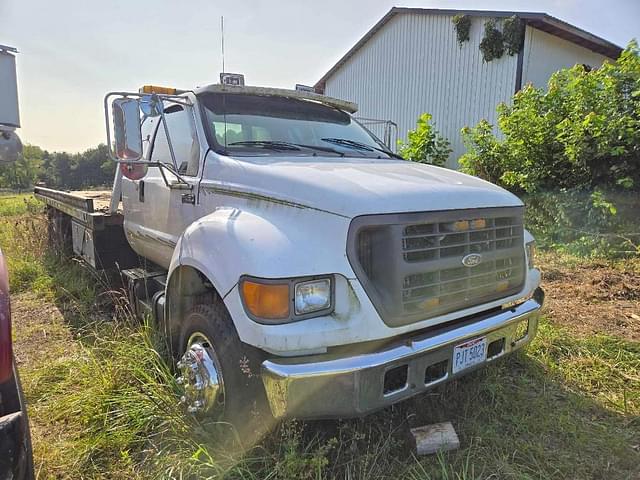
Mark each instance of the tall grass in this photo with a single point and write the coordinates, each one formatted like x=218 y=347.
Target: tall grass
x=106 y=404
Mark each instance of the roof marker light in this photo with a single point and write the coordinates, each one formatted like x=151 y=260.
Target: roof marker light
x=157 y=89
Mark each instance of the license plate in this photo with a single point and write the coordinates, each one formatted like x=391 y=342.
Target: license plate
x=469 y=354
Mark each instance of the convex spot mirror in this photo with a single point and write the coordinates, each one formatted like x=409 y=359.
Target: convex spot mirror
x=10 y=147
x=127 y=128
x=151 y=105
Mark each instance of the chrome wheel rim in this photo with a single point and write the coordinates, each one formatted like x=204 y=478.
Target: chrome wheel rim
x=201 y=376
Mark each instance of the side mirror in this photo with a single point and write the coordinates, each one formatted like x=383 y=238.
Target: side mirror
x=127 y=128
x=10 y=146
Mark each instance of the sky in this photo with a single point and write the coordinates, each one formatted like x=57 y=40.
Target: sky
x=72 y=52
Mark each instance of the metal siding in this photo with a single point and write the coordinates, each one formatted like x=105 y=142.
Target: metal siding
x=545 y=54
x=413 y=64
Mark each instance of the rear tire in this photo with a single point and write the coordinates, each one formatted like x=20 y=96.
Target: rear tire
x=237 y=395
x=59 y=230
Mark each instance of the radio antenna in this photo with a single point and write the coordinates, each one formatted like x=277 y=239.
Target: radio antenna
x=224 y=97
x=222 y=38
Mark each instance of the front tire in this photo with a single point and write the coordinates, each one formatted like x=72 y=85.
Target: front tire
x=220 y=374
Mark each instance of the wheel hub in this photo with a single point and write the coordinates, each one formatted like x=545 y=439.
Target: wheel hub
x=201 y=376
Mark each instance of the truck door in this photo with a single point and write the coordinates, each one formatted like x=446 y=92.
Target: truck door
x=156 y=214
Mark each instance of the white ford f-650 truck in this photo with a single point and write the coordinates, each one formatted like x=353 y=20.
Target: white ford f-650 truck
x=291 y=258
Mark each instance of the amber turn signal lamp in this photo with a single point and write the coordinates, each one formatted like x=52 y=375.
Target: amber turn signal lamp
x=266 y=300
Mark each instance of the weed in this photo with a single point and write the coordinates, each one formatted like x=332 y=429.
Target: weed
x=103 y=402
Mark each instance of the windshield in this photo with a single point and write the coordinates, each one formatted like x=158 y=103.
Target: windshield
x=250 y=125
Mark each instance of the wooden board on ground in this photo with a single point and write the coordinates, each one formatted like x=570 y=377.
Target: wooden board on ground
x=433 y=438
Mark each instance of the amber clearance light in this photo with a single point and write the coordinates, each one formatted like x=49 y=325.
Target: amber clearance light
x=269 y=301
x=157 y=89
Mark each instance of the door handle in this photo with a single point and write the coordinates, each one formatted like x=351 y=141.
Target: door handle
x=141 y=191
x=188 y=198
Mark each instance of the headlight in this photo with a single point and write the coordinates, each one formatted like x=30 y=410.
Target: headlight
x=286 y=300
x=531 y=251
x=313 y=296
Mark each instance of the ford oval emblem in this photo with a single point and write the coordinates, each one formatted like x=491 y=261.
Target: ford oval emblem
x=472 y=260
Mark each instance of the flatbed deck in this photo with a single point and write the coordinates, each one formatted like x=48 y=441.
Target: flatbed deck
x=81 y=222
x=100 y=198
x=91 y=207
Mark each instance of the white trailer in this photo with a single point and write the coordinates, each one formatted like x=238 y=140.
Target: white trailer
x=10 y=145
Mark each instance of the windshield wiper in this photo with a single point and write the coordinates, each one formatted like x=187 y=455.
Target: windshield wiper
x=320 y=148
x=281 y=145
x=349 y=143
x=360 y=146
x=267 y=144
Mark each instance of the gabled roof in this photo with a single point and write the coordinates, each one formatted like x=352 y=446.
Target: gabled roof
x=538 y=20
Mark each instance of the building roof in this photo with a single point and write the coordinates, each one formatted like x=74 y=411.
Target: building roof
x=538 y=20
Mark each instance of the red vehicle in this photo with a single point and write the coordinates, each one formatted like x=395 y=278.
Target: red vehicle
x=16 y=460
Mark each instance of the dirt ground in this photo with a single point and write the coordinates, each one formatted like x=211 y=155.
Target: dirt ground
x=593 y=297
x=40 y=330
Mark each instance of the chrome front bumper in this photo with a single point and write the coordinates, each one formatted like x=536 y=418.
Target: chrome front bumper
x=334 y=385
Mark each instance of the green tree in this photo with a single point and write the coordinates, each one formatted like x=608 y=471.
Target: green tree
x=425 y=144
x=22 y=174
x=90 y=168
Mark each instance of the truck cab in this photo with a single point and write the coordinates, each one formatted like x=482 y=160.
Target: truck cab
x=296 y=259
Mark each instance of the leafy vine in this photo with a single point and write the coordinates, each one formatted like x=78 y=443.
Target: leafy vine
x=492 y=45
x=513 y=33
x=462 y=24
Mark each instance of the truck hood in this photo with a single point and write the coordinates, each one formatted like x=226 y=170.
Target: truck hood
x=354 y=186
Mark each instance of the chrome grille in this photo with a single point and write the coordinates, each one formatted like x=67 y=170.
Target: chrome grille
x=461 y=285
x=412 y=263
x=431 y=241
x=451 y=285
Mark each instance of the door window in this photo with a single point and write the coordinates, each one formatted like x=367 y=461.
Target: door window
x=183 y=140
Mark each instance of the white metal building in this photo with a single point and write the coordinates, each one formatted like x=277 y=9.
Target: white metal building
x=410 y=62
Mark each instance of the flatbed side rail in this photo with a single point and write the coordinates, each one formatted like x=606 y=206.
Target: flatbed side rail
x=75 y=201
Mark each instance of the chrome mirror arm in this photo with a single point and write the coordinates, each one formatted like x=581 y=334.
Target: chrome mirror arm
x=173 y=172
x=161 y=166
x=169 y=141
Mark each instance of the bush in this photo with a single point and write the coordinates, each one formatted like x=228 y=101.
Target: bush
x=585 y=224
x=578 y=141
x=425 y=144
x=583 y=132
